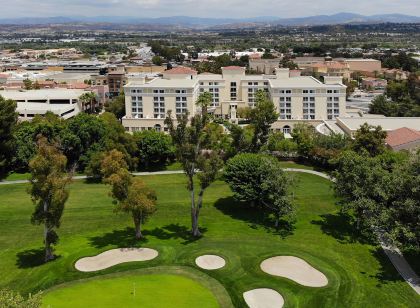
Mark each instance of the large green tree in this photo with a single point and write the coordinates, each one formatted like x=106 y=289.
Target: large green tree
x=131 y=195
x=261 y=117
x=116 y=106
x=8 y=120
x=154 y=148
x=48 y=191
x=370 y=139
x=194 y=154
x=259 y=180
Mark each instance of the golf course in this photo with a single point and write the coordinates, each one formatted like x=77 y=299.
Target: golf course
x=354 y=271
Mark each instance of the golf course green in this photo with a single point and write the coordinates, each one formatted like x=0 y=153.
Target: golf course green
x=131 y=290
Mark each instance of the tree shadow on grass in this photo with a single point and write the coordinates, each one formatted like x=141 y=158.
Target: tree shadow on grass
x=125 y=237
x=387 y=272
x=341 y=228
x=31 y=258
x=175 y=231
x=120 y=238
x=254 y=216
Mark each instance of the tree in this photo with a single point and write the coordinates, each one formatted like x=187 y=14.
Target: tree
x=12 y=299
x=27 y=84
x=157 y=60
x=48 y=191
x=261 y=117
x=370 y=139
x=88 y=100
x=400 y=218
x=259 y=180
x=8 y=121
x=117 y=106
x=380 y=105
x=193 y=156
x=303 y=134
x=131 y=195
x=359 y=185
x=154 y=148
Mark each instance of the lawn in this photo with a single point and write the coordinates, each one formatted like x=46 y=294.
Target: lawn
x=359 y=273
x=132 y=290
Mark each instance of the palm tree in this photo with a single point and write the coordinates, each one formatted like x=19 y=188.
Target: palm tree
x=88 y=98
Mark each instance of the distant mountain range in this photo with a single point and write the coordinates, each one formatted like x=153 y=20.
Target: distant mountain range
x=194 y=22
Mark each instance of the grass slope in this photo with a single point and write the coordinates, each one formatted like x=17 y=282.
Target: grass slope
x=359 y=273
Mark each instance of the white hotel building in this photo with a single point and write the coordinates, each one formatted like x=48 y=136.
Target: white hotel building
x=297 y=98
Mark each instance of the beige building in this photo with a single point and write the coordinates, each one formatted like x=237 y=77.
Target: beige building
x=264 y=66
x=364 y=65
x=297 y=98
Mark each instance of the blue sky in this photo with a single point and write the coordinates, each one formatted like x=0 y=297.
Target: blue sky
x=203 y=8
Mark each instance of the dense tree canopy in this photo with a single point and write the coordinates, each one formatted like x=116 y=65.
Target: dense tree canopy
x=8 y=120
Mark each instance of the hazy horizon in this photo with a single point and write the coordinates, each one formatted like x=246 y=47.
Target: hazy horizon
x=204 y=9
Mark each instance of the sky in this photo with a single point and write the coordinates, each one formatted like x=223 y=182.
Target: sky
x=203 y=8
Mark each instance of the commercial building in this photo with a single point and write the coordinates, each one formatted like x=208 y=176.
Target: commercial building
x=296 y=99
x=63 y=102
x=264 y=66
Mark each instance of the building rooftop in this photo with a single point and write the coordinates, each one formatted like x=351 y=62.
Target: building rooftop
x=42 y=94
x=299 y=82
x=233 y=67
x=402 y=136
x=387 y=123
x=181 y=70
x=164 y=83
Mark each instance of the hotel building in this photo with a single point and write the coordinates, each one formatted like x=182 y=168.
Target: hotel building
x=297 y=98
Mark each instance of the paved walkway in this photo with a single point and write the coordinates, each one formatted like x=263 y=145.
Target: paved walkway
x=82 y=177
x=393 y=253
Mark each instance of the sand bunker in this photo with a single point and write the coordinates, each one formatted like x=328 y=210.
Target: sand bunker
x=295 y=269
x=263 y=298
x=210 y=262
x=114 y=256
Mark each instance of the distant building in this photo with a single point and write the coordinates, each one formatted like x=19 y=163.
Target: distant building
x=374 y=83
x=364 y=65
x=264 y=66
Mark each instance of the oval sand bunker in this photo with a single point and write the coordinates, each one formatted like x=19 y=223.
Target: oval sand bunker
x=210 y=262
x=263 y=298
x=113 y=257
x=295 y=269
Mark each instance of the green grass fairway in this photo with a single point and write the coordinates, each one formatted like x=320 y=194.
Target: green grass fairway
x=150 y=291
x=359 y=273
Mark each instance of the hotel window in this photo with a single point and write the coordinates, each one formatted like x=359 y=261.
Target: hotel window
x=137 y=108
x=333 y=109
x=159 y=107
x=285 y=91
x=308 y=108
x=181 y=91
x=308 y=91
x=233 y=93
x=285 y=108
x=181 y=104
x=251 y=96
x=158 y=91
